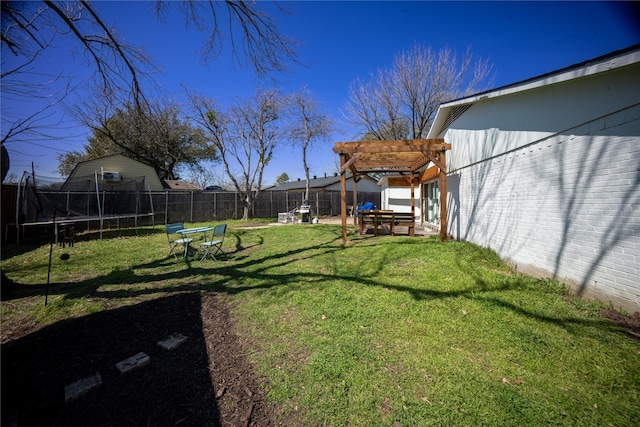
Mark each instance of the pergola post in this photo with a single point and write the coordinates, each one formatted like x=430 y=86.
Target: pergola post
x=413 y=197
x=355 y=199
x=343 y=198
x=443 y=199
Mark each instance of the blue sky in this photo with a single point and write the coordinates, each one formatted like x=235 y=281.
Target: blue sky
x=341 y=41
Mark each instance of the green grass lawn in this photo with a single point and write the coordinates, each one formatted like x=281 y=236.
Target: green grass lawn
x=378 y=330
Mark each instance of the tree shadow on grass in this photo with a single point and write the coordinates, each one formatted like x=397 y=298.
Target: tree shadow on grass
x=240 y=272
x=174 y=387
x=206 y=380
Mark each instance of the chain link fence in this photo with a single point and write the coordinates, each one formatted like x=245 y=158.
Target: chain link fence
x=173 y=206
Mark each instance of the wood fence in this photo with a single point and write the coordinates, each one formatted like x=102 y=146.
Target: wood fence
x=202 y=206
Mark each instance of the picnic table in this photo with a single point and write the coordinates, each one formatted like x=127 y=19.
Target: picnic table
x=190 y=231
x=380 y=218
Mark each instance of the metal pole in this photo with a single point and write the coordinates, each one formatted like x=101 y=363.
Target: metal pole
x=18 y=207
x=99 y=206
x=166 y=207
x=54 y=231
x=191 y=208
x=46 y=294
x=153 y=213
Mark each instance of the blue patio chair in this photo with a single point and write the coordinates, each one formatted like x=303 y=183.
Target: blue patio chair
x=175 y=239
x=213 y=246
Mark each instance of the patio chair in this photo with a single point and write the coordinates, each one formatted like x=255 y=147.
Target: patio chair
x=175 y=239
x=213 y=246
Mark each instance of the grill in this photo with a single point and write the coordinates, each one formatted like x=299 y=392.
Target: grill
x=305 y=214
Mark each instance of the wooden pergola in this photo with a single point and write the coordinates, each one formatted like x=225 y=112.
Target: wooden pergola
x=408 y=158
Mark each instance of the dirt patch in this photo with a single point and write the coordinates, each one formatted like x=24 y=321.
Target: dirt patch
x=630 y=322
x=206 y=380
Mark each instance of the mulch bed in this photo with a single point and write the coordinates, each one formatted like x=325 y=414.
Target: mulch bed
x=206 y=380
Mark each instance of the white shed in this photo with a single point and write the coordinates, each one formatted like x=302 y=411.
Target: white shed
x=547 y=173
x=112 y=171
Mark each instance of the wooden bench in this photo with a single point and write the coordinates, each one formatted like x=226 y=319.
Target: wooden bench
x=379 y=218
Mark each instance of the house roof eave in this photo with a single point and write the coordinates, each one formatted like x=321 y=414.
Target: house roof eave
x=613 y=60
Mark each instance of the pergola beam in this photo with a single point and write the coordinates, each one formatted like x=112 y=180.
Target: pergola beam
x=399 y=146
x=349 y=162
x=385 y=171
x=436 y=161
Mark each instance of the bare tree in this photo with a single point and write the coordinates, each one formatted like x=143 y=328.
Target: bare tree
x=34 y=125
x=203 y=177
x=401 y=101
x=308 y=124
x=30 y=28
x=263 y=46
x=373 y=107
x=245 y=134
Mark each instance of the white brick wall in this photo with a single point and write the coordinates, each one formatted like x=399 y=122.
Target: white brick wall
x=567 y=205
